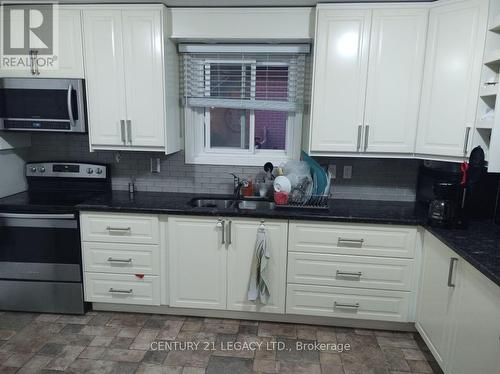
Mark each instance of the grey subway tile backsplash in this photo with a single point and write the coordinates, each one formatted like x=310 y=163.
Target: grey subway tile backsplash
x=372 y=179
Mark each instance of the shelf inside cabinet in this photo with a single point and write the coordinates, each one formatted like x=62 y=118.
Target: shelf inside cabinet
x=488 y=90
x=492 y=58
x=495 y=24
x=485 y=124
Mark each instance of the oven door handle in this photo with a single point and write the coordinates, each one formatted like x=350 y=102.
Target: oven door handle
x=70 y=106
x=38 y=216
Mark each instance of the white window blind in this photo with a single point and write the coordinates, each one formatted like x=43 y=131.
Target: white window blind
x=254 y=77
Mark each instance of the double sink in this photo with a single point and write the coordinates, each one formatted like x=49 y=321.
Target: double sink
x=231 y=204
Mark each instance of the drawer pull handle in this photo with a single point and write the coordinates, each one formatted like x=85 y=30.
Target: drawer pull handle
x=350 y=242
x=345 y=306
x=120 y=260
x=348 y=274
x=109 y=228
x=113 y=290
x=450 y=272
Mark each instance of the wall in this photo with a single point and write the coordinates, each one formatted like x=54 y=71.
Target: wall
x=12 y=171
x=375 y=179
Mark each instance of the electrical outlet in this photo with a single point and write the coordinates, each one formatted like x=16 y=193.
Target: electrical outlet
x=155 y=165
x=347 y=172
x=332 y=168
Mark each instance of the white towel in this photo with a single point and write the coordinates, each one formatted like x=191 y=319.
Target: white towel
x=258 y=288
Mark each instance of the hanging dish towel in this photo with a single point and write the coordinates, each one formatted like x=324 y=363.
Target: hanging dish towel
x=258 y=288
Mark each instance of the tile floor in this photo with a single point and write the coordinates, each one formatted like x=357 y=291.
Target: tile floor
x=101 y=342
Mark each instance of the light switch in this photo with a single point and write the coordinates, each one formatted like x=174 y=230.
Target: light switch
x=155 y=165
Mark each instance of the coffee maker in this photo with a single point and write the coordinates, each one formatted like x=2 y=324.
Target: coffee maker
x=445 y=209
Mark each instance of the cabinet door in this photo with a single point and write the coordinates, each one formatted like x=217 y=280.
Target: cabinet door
x=340 y=69
x=451 y=77
x=197 y=263
x=477 y=340
x=144 y=76
x=437 y=298
x=70 y=55
x=242 y=238
x=397 y=49
x=105 y=76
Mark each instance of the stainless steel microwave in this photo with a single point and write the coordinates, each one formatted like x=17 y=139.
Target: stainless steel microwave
x=38 y=104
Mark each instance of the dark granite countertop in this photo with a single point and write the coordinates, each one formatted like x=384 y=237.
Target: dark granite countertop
x=361 y=211
x=479 y=244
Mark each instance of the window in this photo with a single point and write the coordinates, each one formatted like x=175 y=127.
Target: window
x=243 y=105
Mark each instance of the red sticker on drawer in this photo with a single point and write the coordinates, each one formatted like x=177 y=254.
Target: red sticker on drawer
x=140 y=276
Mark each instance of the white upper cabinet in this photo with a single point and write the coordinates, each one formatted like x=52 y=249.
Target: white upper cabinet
x=453 y=63
x=397 y=49
x=367 y=79
x=339 y=79
x=69 y=51
x=142 y=38
x=126 y=73
x=105 y=77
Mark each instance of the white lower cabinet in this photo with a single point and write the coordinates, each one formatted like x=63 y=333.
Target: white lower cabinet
x=210 y=261
x=121 y=258
x=241 y=250
x=459 y=310
x=122 y=288
x=351 y=270
x=358 y=303
x=197 y=263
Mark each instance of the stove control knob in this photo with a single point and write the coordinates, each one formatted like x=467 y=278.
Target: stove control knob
x=41 y=169
x=98 y=171
x=33 y=169
x=90 y=170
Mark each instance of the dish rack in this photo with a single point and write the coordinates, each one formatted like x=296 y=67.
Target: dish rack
x=312 y=202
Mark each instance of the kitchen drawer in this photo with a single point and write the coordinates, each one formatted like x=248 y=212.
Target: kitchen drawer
x=358 y=303
x=120 y=228
x=121 y=258
x=122 y=289
x=352 y=239
x=350 y=271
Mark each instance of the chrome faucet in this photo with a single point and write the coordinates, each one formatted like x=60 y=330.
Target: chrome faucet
x=238 y=183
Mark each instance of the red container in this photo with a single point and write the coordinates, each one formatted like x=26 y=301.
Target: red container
x=281 y=198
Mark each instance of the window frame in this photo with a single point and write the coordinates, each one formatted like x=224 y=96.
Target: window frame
x=197 y=131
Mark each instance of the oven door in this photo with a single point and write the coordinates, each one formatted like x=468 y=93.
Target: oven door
x=29 y=104
x=40 y=247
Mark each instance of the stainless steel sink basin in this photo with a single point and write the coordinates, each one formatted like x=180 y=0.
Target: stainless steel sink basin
x=212 y=203
x=229 y=203
x=255 y=204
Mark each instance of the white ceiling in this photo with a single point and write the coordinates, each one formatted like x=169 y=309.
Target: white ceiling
x=226 y=3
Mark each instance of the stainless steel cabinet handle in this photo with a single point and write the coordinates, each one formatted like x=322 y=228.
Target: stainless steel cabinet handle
x=367 y=130
x=345 y=306
x=109 y=228
x=129 y=130
x=350 y=242
x=229 y=232
x=466 y=141
x=221 y=224
x=32 y=60
x=360 y=129
x=70 y=107
x=114 y=290
x=127 y=261
x=450 y=271
x=123 y=133
x=37 y=70
x=348 y=274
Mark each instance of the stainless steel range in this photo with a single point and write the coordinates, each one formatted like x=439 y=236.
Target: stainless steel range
x=40 y=253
